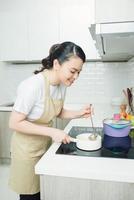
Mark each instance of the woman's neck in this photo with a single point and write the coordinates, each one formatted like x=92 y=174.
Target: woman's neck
x=53 y=77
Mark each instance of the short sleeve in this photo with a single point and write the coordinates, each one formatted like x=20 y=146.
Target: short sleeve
x=26 y=98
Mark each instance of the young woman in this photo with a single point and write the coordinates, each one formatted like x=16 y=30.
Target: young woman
x=39 y=100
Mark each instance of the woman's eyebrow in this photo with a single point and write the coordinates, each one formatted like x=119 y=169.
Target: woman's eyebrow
x=76 y=69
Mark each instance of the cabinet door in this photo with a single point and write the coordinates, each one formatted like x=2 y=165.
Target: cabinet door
x=74 y=23
x=61 y=123
x=13 y=40
x=43 y=29
x=114 y=11
x=5 y=135
x=13 y=31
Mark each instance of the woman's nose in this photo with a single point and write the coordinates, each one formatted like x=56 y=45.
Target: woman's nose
x=76 y=75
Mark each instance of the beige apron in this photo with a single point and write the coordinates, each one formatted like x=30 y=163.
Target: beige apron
x=26 y=150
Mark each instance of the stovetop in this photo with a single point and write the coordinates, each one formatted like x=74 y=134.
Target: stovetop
x=126 y=151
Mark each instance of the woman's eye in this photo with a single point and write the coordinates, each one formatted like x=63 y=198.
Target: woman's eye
x=72 y=72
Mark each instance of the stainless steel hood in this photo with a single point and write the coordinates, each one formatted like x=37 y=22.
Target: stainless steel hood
x=114 y=41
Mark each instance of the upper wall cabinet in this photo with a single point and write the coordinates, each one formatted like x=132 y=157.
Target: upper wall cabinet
x=74 y=22
x=114 y=11
x=43 y=28
x=13 y=30
x=30 y=28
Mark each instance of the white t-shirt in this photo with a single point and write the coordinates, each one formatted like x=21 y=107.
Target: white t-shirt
x=31 y=96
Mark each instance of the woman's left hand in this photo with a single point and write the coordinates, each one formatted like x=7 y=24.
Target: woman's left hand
x=86 y=111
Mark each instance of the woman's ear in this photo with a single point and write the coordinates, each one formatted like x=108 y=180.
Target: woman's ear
x=56 y=65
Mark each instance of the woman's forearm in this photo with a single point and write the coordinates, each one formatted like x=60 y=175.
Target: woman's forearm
x=31 y=128
x=19 y=123
x=69 y=114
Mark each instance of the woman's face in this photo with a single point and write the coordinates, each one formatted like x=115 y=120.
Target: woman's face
x=69 y=71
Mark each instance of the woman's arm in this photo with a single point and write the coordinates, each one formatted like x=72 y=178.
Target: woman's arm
x=70 y=114
x=19 y=123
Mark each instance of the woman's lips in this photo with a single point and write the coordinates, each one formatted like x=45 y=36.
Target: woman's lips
x=71 y=81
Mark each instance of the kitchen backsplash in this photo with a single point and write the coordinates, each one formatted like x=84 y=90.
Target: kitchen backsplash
x=98 y=83
x=10 y=76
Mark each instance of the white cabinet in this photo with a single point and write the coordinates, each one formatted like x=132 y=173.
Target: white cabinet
x=13 y=30
x=74 y=22
x=59 y=188
x=114 y=11
x=30 y=28
x=43 y=29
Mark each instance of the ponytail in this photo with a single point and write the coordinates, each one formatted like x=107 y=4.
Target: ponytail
x=45 y=65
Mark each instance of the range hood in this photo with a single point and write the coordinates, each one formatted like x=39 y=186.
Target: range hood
x=114 y=41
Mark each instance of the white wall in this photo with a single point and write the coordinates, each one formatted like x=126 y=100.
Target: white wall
x=98 y=83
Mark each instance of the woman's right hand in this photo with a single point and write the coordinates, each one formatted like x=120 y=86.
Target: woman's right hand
x=60 y=136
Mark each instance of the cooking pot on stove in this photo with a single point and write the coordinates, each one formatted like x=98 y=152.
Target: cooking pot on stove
x=116 y=128
x=117 y=143
x=84 y=143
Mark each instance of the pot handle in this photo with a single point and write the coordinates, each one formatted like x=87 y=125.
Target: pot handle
x=73 y=139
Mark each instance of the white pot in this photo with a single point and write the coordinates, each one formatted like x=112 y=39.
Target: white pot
x=83 y=142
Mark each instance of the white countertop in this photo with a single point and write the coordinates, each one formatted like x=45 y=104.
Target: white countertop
x=97 y=168
x=6 y=108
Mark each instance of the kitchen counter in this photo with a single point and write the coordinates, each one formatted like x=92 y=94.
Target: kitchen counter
x=93 y=168
x=5 y=108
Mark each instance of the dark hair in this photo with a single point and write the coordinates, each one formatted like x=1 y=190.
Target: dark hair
x=62 y=52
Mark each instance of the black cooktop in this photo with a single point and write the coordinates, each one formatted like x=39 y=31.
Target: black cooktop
x=111 y=147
